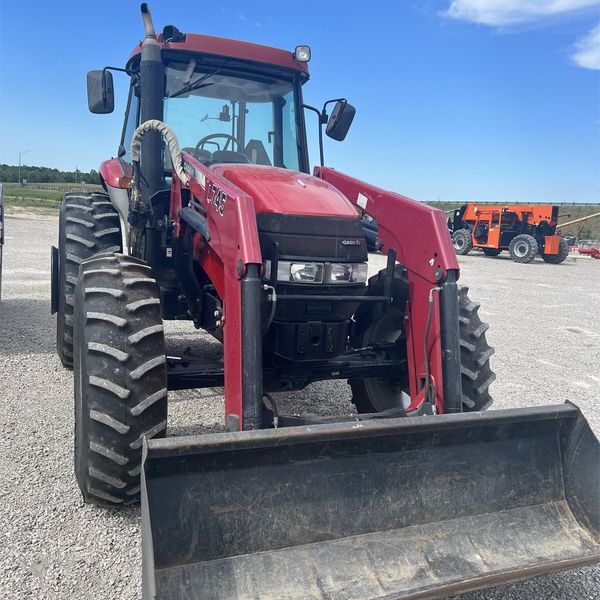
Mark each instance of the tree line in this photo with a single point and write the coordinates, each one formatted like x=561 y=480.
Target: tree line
x=10 y=174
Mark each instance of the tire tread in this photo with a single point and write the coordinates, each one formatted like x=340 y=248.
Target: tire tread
x=79 y=223
x=120 y=377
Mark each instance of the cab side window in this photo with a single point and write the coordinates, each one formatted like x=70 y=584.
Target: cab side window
x=132 y=120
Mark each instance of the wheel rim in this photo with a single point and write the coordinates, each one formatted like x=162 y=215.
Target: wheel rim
x=521 y=249
x=459 y=243
x=383 y=393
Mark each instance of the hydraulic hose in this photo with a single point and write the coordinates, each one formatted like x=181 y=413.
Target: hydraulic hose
x=429 y=387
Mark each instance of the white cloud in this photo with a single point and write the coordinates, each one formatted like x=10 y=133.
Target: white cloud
x=587 y=50
x=498 y=13
x=510 y=12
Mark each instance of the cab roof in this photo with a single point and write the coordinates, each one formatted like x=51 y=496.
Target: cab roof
x=225 y=47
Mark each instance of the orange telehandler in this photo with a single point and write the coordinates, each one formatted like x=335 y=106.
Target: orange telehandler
x=525 y=230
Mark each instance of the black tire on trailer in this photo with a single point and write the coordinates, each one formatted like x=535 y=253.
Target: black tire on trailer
x=563 y=252
x=376 y=395
x=491 y=251
x=523 y=248
x=475 y=352
x=88 y=224
x=462 y=242
x=120 y=375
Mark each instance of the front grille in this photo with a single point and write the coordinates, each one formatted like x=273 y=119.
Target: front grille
x=302 y=236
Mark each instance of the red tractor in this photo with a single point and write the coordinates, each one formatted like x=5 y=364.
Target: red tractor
x=211 y=214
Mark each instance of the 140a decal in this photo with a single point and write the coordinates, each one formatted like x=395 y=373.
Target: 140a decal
x=216 y=197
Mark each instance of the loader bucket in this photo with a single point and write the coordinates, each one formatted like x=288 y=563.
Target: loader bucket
x=389 y=508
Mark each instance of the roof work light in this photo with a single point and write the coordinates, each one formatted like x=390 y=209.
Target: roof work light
x=302 y=53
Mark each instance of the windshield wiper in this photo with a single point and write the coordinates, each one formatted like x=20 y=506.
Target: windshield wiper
x=199 y=83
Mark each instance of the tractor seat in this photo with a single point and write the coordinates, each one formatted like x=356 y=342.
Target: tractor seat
x=255 y=151
x=200 y=153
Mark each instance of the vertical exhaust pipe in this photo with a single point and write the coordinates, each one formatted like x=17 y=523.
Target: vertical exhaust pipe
x=151 y=107
x=147 y=18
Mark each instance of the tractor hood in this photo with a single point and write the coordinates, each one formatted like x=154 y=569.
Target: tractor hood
x=282 y=191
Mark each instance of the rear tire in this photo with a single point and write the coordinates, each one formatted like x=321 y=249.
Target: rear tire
x=491 y=252
x=462 y=242
x=120 y=375
x=376 y=395
x=88 y=224
x=523 y=248
x=563 y=252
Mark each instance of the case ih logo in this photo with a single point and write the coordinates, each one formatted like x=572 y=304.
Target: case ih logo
x=351 y=242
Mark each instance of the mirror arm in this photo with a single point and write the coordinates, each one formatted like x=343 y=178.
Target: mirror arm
x=324 y=111
x=321 y=123
x=128 y=71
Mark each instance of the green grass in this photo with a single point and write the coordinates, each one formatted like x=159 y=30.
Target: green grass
x=23 y=199
x=32 y=194
x=42 y=206
x=61 y=187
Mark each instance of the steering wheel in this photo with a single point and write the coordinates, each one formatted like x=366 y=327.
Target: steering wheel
x=227 y=136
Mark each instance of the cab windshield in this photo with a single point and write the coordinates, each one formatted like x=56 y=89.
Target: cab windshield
x=220 y=116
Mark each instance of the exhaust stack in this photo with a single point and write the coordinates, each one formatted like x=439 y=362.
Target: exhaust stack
x=151 y=108
x=147 y=18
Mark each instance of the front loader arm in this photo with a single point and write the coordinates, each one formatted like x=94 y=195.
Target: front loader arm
x=222 y=221
x=419 y=235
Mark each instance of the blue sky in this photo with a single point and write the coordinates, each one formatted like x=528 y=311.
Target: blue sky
x=456 y=99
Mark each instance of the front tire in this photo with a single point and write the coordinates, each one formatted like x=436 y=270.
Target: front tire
x=377 y=395
x=120 y=376
x=88 y=224
x=563 y=252
x=462 y=242
x=475 y=353
x=523 y=248
x=381 y=326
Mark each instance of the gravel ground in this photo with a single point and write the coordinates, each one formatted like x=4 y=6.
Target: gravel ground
x=54 y=546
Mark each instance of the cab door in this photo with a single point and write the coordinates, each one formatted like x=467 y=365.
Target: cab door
x=493 y=240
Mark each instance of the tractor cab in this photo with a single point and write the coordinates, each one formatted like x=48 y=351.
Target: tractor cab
x=227 y=101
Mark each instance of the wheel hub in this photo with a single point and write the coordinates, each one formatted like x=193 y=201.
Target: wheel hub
x=521 y=249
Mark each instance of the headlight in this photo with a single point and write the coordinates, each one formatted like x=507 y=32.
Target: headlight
x=347 y=273
x=300 y=272
x=297 y=272
x=316 y=272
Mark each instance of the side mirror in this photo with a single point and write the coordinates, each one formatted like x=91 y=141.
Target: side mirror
x=340 y=120
x=100 y=91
